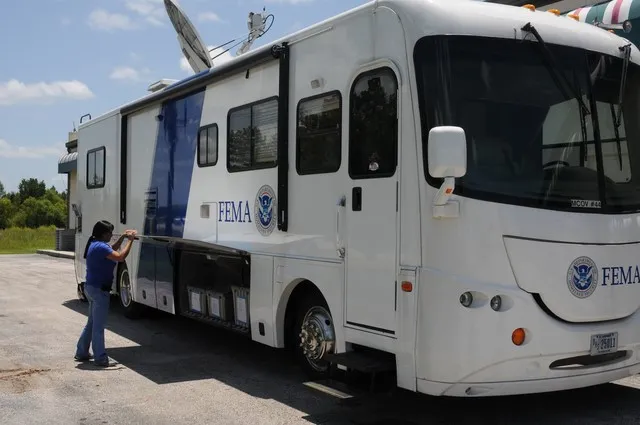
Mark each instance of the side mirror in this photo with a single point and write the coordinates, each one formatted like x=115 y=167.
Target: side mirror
x=447 y=152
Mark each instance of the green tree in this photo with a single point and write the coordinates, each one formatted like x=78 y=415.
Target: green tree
x=31 y=188
x=6 y=212
x=34 y=213
x=2 y=192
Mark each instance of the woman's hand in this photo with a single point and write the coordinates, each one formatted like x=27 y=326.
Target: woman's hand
x=130 y=234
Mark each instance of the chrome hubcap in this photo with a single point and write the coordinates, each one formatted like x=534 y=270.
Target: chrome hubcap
x=317 y=337
x=125 y=288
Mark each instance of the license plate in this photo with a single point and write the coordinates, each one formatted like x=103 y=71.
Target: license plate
x=604 y=343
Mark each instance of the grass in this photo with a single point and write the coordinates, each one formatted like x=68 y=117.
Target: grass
x=16 y=240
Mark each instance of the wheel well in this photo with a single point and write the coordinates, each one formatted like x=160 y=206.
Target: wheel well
x=303 y=289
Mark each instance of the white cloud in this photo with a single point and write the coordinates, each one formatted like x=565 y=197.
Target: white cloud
x=127 y=73
x=100 y=19
x=13 y=91
x=59 y=181
x=152 y=11
x=209 y=16
x=8 y=150
x=224 y=57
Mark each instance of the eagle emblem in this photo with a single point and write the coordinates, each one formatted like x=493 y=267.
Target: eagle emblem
x=264 y=210
x=582 y=277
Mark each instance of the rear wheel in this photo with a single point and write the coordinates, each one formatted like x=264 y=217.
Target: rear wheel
x=313 y=336
x=80 y=292
x=132 y=309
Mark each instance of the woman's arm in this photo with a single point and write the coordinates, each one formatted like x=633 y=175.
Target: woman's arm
x=122 y=255
x=118 y=243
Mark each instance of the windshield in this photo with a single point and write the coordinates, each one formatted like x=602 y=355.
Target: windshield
x=528 y=140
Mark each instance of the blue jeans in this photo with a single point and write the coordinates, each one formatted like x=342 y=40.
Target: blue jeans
x=93 y=333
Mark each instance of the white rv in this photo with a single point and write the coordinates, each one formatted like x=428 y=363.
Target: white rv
x=446 y=183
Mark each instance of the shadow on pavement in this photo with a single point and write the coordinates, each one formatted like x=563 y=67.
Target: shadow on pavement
x=171 y=349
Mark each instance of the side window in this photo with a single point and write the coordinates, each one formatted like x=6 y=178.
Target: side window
x=373 y=125
x=208 y=146
x=319 y=134
x=95 y=168
x=252 y=140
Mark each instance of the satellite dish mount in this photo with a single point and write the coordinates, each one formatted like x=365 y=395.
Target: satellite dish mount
x=193 y=47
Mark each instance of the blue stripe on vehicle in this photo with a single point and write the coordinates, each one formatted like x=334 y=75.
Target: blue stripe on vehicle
x=173 y=162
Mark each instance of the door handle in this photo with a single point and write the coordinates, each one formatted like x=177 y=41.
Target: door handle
x=342 y=202
x=356 y=199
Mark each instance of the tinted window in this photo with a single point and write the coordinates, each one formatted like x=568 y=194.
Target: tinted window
x=373 y=125
x=528 y=140
x=95 y=168
x=319 y=134
x=253 y=136
x=208 y=145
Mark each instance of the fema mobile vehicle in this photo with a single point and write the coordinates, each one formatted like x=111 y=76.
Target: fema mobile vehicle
x=452 y=183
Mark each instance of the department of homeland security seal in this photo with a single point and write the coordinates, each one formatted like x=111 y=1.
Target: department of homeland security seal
x=265 y=210
x=582 y=277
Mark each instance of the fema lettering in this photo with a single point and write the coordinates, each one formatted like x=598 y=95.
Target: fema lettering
x=234 y=212
x=620 y=275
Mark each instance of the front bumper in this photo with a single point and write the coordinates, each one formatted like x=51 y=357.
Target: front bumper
x=468 y=351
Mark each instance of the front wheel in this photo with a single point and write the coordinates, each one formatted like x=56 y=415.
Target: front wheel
x=132 y=309
x=314 y=336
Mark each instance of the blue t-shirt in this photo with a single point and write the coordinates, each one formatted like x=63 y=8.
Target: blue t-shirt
x=99 y=267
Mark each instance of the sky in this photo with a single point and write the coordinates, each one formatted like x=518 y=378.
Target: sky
x=62 y=59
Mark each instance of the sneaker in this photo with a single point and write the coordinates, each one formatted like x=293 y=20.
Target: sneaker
x=102 y=363
x=83 y=358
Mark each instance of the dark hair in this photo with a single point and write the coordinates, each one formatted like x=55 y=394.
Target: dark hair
x=99 y=229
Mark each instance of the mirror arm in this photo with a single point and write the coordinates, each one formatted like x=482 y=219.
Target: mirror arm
x=443 y=205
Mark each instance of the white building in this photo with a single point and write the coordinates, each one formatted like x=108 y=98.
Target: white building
x=68 y=164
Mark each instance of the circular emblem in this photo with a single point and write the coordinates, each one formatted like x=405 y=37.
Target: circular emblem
x=582 y=277
x=264 y=210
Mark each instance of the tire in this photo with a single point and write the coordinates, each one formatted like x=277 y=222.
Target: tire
x=82 y=296
x=132 y=309
x=313 y=336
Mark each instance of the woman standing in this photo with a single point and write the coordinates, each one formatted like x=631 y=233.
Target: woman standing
x=101 y=259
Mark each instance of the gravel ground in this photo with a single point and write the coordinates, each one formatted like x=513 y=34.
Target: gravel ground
x=173 y=370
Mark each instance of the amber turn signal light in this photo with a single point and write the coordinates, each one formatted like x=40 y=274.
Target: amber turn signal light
x=517 y=337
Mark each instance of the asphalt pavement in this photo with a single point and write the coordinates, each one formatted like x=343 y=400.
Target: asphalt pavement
x=172 y=370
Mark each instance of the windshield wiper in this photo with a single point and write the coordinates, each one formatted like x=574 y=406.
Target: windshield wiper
x=550 y=63
x=626 y=49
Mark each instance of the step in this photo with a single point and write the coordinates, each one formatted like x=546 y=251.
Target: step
x=363 y=362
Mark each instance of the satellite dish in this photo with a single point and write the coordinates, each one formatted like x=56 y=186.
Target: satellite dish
x=193 y=49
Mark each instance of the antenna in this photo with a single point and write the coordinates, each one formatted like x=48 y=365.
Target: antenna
x=256 y=24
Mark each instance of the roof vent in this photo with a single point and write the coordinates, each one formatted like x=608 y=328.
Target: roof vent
x=160 y=85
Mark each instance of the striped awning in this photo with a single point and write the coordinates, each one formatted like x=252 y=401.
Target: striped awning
x=612 y=12
x=67 y=163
